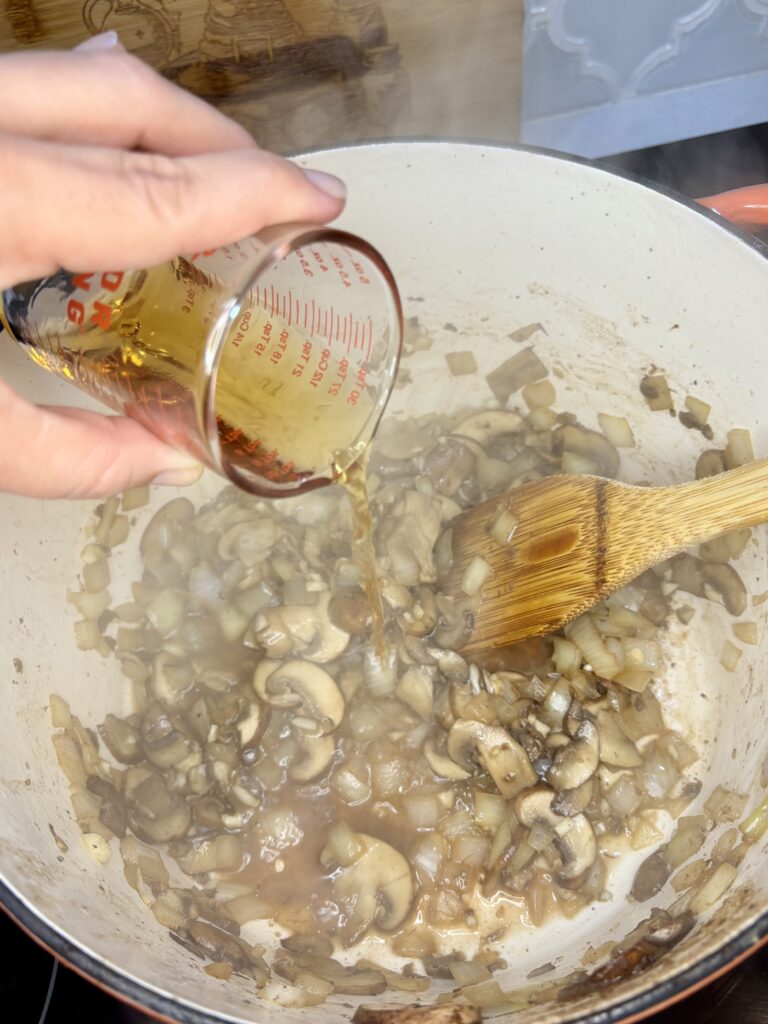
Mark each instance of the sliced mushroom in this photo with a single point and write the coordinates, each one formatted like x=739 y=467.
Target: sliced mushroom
x=421 y=617
x=574 y=764
x=590 y=445
x=157 y=815
x=569 y=802
x=350 y=611
x=171 y=680
x=415 y=688
x=305 y=630
x=164 y=745
x=377 y=888
x=443 y=766
x=486 y=426
x=574 y=838
x=727 y=583
x=251 y=725
x=250 y=541
x=301 y=685
x=471 y=743
x=556 y=704
x=616 y=748
x=577 y=847
x=449 y=464
x=317 y=754
x=112 y=812
x=122 y=739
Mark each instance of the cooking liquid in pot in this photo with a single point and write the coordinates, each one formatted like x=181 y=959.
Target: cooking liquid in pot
x=414 y=797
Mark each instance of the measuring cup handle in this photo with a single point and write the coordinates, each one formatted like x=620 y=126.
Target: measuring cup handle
x=745 y=207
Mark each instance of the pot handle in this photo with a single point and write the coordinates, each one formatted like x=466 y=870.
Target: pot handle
x=745 y=207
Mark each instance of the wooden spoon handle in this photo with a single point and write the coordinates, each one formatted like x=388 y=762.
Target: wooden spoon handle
x=695 y=512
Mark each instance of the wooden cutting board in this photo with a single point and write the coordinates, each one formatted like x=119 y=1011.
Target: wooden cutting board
x=304 y=73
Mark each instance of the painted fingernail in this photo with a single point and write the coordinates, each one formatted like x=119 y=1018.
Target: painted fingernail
x=105 y=41
x=328 y=183
x=179 y=477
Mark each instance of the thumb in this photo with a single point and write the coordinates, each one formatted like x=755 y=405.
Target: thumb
x=95 y=208
x=72 y=453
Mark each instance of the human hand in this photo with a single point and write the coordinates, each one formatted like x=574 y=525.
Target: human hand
x=105 y=165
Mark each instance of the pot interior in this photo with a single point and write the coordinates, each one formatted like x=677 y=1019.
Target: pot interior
x=483 y=242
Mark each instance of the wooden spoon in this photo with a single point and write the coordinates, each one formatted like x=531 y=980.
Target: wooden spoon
x=575 y=539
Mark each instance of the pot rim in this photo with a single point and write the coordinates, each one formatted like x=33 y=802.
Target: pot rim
x=686 y=981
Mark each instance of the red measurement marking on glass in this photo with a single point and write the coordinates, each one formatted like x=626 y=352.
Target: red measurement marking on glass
x=284 y=312
x=265 y=298
x=297 y=311
x=290 y=309
x=331 y=334
x=357 y=328
x=272 y=298
x=336 y=332
x=258 y=290
x=305 y=316
x=312 y=328
x=325 y=323
x=370 y=338
x=344 y=335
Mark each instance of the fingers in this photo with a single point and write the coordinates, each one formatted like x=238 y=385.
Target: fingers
x=67 y=453
x=87 y=208
x=108 y=98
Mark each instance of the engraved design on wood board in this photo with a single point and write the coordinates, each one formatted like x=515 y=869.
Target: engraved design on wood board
x=296 y=73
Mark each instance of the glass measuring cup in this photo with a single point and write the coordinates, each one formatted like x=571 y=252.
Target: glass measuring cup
x=271 y=359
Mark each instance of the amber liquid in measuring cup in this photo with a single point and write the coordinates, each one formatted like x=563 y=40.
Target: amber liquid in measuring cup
x=265 y=375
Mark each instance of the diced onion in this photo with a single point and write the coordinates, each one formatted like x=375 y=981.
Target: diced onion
x=342 y=846
x=461 y=363
x=730 y=656
x=475 y=575
x=635 y=679
x=87 y=635
x=622 y=797
x=746 y=632
x=470 y=850
x=456 y=824
x=96 y=575
x=685 y=844
x=490 y=810
x=427 y=857
x=584 y=634
x=468 y=972
x=567 y=655
x=725 y=805
x=542 y=419
x=351 y=789
x=617 y=430
x=755 y=825
x=485 y=995
x=715 y=886
x=572 y=462
x=91 y=606
x=250 y=907
x=503 y=525
x=642 y=654
x=97 y=847
x=136 y=497
x=699 y=410
x=61 y=716
x=423 y=810
x=539 y=394
x=738 y=451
